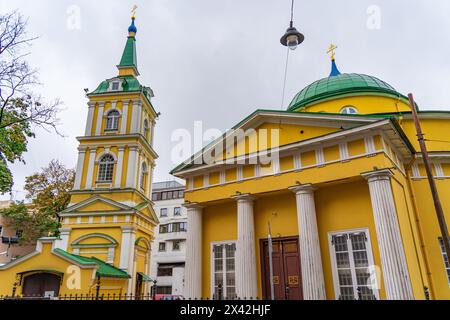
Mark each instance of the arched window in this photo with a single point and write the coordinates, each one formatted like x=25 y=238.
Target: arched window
x=146 y=129
x=144 y=173
x=349 y=110
x=112 y=120
x=106 y=168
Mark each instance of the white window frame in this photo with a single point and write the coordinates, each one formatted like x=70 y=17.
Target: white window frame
x=111 y=84
x=115 y=119
x=443 y=254
x=334 y=262
x=345 y=109
x=212 y=258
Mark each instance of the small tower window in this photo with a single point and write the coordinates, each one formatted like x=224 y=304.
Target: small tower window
x=106 y=168
x=349 y=110
x=112 y=120
x=115 y=86
x=146 y=129
x=144 y=173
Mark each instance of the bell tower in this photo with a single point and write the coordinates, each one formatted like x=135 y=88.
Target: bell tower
x=110 y=215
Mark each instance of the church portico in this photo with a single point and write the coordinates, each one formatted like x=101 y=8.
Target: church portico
x=308 y=268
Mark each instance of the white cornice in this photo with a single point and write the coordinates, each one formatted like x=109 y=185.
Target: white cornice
x=314 y=142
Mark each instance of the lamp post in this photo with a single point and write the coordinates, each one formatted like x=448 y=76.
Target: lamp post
x=432 y=183
x=292 y=38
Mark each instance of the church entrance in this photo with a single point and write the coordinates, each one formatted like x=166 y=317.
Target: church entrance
x=286 y=269
x=41 y=285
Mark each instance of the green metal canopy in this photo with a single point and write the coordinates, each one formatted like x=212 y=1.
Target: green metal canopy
x=145 y=277
x=104 y=269
x=341 y=85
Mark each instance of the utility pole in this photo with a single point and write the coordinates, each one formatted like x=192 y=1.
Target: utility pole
x=434 y=192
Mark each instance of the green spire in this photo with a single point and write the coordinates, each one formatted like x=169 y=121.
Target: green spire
x=129 y=54
x=129 y=57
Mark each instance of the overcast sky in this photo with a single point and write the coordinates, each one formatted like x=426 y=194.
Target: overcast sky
x=218 y=61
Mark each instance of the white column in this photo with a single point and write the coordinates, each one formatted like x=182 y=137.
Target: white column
x=98 y=126
x=127 y=248
x=63 y=241
x=193 y=267
x=88 y=130
x=246 y=281
x=123 y=127
x=152 y=131
x=310 y=258
x=118 y=177
x=80 y=163
x=90 y=171
x=131 y=170
x=136 y=117
x=393 y=261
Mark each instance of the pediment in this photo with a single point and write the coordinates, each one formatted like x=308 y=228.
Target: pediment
x=96 y=204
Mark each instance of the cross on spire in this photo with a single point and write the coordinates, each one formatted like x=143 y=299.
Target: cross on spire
x=133 y=11
x=331 y=49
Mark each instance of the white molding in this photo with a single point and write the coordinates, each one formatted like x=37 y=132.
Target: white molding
x=314 y=141
x=276 y=166
x=343 y=151
x=90 y=171
x=415 y=170
x=222 y=177
x=131 y=170
x=136 y=116
x=206 y=180
x=320 y=158
x=123 y=126
x=79 y=171
x=369 y=145
x=297 y=161
x=98 y=126
x=89 y=122
x=438 y=169
x=119 y=167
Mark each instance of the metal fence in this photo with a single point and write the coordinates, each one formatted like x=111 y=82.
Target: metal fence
x=80 y=297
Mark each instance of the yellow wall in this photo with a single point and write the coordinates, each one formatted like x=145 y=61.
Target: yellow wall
x=364 y=105
x=219 y=224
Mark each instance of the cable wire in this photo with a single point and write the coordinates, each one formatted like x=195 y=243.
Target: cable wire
x=285 y=77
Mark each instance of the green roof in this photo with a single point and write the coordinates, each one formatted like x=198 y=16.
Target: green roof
x=129 y=58
x=341 y=85
x=129 y=84
x=104 y=269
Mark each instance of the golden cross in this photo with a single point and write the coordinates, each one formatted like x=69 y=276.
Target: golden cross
x=133 y=11
x=331 y=50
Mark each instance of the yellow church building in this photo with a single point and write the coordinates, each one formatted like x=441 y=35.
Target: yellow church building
x=339 y=178
x=107 y=229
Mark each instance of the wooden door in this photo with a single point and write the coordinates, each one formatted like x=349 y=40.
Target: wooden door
x=286 y=269
x=41 y=285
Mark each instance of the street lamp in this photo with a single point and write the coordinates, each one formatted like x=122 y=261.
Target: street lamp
x=292 y=38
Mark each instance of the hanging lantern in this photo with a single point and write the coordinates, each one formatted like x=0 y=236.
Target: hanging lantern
x=292 y=38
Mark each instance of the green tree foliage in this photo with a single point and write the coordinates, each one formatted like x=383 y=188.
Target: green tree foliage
x=21 y=110
x=49 y=192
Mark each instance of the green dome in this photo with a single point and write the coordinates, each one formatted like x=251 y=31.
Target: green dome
x=341 y=85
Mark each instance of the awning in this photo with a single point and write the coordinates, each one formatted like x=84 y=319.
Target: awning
x=145 y=277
